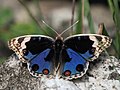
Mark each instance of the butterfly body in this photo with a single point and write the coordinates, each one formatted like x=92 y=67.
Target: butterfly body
x=67 y=58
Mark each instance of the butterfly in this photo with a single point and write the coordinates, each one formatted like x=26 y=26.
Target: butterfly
x=66 y=58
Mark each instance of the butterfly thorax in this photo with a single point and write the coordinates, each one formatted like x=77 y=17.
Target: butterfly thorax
x=58 y=45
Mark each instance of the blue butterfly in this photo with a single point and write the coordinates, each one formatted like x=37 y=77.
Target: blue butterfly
x=66 y=58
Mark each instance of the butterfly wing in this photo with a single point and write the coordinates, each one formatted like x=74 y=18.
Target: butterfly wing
x=36 y=50
x=78 y=50
x=73 y=64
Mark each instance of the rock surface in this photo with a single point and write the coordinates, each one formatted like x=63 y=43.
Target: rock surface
x=103 y=74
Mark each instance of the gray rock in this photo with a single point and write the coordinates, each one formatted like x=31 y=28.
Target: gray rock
x=103 y=74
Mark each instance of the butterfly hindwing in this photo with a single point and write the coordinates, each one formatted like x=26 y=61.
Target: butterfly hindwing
x=36 y=50
x=42 y=64
x=79 y=50
x=74 y=65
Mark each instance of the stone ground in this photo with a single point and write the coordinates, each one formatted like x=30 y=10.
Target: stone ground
x=103 y=74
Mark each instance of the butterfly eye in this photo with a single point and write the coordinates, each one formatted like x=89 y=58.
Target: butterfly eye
x=67 y=73
x=91 y=51
x=25 y=52
x=35 y=67
x=79 y=67
x=45 y=71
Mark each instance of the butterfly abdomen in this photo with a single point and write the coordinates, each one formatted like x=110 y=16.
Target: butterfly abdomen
x=58 y=49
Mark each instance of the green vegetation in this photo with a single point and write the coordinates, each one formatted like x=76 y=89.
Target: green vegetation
x=115 y=11
x=114 y=7
x=87 y=14
x=9 y=28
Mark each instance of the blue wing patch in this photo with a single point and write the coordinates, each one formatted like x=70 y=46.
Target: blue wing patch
x=40 y=65
x=76 y=66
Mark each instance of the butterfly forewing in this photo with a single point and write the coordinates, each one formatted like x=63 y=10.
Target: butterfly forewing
x=88 y=45
x=78 y=50
x=37 y=51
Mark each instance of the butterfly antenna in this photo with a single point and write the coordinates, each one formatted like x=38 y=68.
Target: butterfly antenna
x=69 y=28
x=50 y=27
